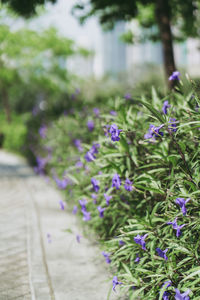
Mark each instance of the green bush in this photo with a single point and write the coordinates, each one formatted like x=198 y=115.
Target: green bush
x=14 y=133
x=163 y=168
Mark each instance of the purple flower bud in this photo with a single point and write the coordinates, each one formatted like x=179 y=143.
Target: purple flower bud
x=165 y=107
x=106 y=255
x=43 y=131
x=96 y=111
x=90 y=125
x=115 y=282
x=75 y=209
x=182 y=202
x=95 y=184
x=128 y=185
x=162 y=253
x=62 y=205
x=101 y=211
x=175 y=76
x=116 y=182
x=139 y=239
x=108 y=198
x=183 y=296
x=115 y=132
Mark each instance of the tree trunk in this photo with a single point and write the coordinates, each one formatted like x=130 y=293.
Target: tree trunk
x=163 y=18
x=6 y=105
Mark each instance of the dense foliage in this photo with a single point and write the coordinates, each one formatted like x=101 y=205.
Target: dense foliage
x=131 y=171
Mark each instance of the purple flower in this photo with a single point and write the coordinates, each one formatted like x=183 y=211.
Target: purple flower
x=62 y=205
x=90 y=154
x=165 y=107
x=96 y=111
x=61 y=184
x=115 y=282
x=167 y=283
x=176 y=227
x=153 y=132
x=86 y=215
x=128 y=185
x=77 y=143
x=83 y=204
x=101 y=211
x=139 y=239
x=113 y=113
x=183 y=296
x=121 y=243
x=172 y=124
x=127 y=96
x=175 y=76
x=166 y=295
x=90 y=125
x=106 y=255
x=78 y=238
x=116 y=182
x=79 y=164
x=115 y=132
x=108 y=198
x=137 y=260
x=49 y=238
x=182 y=202
x=43 y=131
x=162 y=253
x=95 y=184
x=75 y=209
x=106 y=130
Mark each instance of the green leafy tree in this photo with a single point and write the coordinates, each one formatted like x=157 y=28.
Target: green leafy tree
x=163 y=14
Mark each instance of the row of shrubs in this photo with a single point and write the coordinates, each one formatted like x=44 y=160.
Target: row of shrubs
x=130 y=169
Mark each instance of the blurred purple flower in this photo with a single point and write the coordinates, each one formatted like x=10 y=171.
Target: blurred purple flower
x=78 y=238
x=115 y=282
x=79 y=164
x=101 y=211
x=90 y=154
x=49 y=238
x=182 y=202
x=153 y=132
x=121 y=243
x=90 y=125
x=77 y=143
x=176 y=227
x=96 y=111
x=172 y=124
x=75 y=209
x=139 y=239
x=115 y=132
x=183 y=296
x=95 y=184
x=62 y=204
x=83 y=204
x=166 y=295
x=61 y=183
x=86 y=215
x=137 y=260
x=175 y=76
x=106 y=255
x=94 y=197
x=116 y=182
x=128 y=185
x=108 y=198
x=127 y=96
x=113 y=113
x=43 y=131
x=162 y=253
x=165 y=107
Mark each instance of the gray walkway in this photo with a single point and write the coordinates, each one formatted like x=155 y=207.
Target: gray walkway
x=39 y=260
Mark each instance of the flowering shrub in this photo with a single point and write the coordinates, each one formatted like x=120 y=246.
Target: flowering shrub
x=137 y=185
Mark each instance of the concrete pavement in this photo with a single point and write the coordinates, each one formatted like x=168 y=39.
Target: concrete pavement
x=39 y=258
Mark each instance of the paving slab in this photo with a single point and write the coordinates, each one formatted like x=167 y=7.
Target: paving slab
x=39 y=259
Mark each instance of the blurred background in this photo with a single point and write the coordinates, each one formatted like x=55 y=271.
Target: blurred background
x=53 y=52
